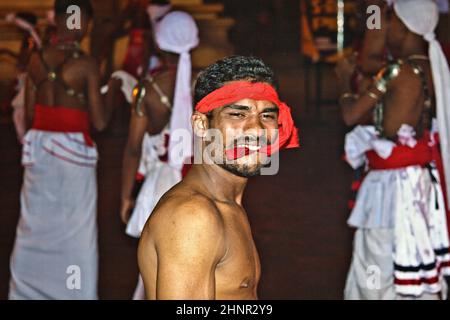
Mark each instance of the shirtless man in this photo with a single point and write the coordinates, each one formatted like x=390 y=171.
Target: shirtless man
x=197 y=243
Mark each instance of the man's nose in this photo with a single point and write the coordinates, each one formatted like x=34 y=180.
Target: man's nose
x=254 y=126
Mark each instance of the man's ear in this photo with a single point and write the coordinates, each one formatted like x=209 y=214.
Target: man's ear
x=200 y=124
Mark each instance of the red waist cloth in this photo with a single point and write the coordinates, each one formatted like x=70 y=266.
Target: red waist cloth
x=403 y=156
x=62 y=119
x=422 y=154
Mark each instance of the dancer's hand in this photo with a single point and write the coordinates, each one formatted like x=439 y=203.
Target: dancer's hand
x=125 y=211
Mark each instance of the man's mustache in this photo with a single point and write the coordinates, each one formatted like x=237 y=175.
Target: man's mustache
x=250 y=140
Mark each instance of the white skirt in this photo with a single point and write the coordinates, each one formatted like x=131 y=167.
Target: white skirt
x=371 y=274
x=55 y=254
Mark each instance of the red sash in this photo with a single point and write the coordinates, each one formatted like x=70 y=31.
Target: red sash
x=422 y=154
x=62 y=119
x=403 y=156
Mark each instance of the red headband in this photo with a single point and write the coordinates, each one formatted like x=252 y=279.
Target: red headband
x=238 y=90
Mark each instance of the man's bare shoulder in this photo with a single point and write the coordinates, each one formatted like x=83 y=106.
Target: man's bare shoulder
x=182 y=209
x=185 y=221
x=407 y=80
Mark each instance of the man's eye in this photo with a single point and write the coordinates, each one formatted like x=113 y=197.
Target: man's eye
x=269 y=116
x=236 y=114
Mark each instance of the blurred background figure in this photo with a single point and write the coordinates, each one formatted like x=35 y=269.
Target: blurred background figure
x=26 y=23
x=401 y=139
x=163 y=104
x=56 y=235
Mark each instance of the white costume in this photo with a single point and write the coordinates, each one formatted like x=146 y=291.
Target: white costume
x=401 y=246
x=55 y=253
x=401 y=239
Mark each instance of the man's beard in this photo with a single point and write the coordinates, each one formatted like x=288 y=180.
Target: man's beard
x=242 y=171
x=245 y=171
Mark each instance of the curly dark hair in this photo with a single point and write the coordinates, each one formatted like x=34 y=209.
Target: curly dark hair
x=232 y=68
x=62 y=5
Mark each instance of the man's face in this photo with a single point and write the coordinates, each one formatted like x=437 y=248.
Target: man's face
x=248 y=127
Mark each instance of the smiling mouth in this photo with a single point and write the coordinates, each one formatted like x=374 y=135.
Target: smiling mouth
x=242 y=150
x=250 y=147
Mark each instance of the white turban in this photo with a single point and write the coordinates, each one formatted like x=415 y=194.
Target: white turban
x=178 y=33
x=422 y=17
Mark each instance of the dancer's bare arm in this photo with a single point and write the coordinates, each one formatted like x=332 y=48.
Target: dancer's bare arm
x=100 y=107
x=401 y=105
x=131 y=159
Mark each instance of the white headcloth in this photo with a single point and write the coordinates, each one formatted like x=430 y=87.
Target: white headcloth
x=177 y=32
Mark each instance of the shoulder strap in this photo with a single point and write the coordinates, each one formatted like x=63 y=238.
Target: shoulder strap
x=163 y=98
x=53 y=74
x=140 y=91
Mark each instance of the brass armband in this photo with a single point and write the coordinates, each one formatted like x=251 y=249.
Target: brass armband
x=138 y=99
x=386 y=74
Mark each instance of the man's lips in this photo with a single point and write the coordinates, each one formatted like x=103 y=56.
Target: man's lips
x=240 y=151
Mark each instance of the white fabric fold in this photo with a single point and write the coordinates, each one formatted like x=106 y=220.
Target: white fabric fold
x=362 y=139
x=128 y=84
